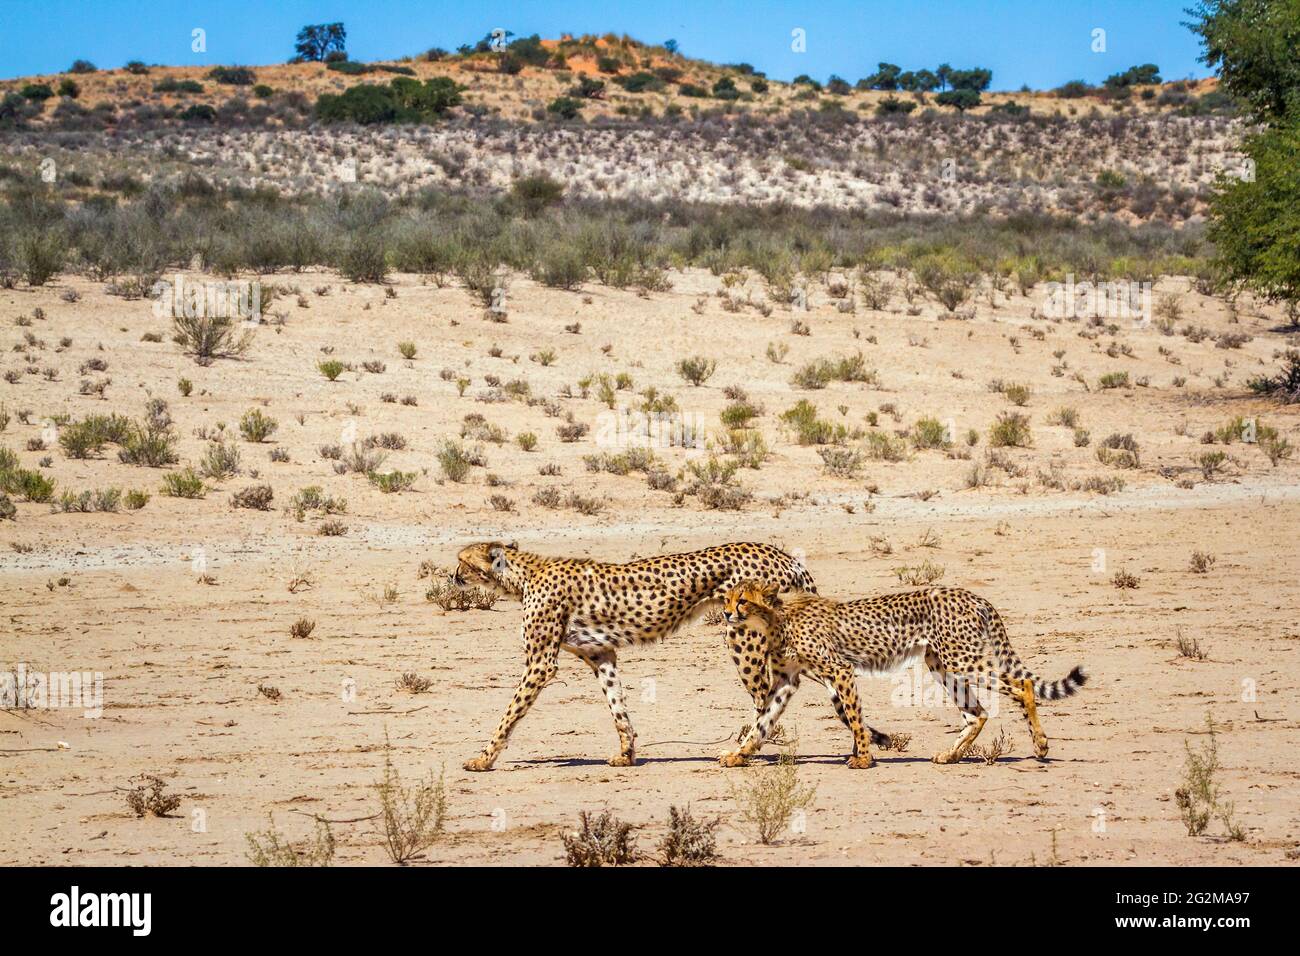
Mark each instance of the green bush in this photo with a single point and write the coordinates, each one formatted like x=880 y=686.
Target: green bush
x=403 y=100
x=29 y=485
x=199 y=113
x=811 y=430
x=173 y=85
x=183 y=484
x=210 y=337
x=220 y=460
x=331 y=368
x=455 y=461
x=152 y=444
x=697 y=370
x=232 y=75
x=257 y=426
x=392 y=481
x=565 y=107
x=849 y=368
x=1011 y=430
x=535 y=193
x=930 y=433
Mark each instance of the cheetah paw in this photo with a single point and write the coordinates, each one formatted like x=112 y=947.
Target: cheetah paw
x=863 y=762
x=735 y=759
x=947 y=757
x=478 y=764
x=623 y=760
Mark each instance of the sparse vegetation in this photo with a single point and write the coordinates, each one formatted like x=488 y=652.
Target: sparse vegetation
x=411 y=818
x=600 y=840
x=689 y=842
x=1199 y=798
x=149 y=797
x=272 y=849
x=771 y=797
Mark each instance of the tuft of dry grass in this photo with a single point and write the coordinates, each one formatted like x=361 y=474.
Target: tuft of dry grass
x=919 y=575
x=413 y=683
x=1190 y=648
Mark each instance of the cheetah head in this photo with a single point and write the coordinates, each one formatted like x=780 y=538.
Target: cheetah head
x=748 y=601
x=482 y=563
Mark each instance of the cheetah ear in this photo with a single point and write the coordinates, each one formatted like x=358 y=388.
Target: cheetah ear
x=771 y=595
x=498 y=555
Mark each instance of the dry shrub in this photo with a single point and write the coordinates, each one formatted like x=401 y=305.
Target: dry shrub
x=456 y=597
x=1000 y=747
x=413 y=683
x=689 y=842
x=269 y=848
x=600 y=841
x=412 y=818
x=771 y=797
x=1198 y=798
x=919 y=575
x=255 y=497
x=210 y=337
x=149 y=797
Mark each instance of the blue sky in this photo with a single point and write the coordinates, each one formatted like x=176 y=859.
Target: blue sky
x=1038 y=42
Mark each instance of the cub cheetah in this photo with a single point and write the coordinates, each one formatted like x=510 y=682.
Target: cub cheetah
x=960 y=635
x=590 y=609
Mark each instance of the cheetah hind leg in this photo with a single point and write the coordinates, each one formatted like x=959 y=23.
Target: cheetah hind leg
x=1021 y=690
x=605 y=666
x=973 y=715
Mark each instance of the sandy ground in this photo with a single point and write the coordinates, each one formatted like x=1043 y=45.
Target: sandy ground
x=182 y=660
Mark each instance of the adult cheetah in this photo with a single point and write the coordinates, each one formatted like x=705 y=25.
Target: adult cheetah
x=959 y=634
x=591 y=609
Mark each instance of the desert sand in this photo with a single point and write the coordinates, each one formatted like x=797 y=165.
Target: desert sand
x=184 y=606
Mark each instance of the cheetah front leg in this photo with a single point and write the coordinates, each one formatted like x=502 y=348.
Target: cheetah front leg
x=542 y=635
x=749 y=653
x=786 y=683
x=844 y=692
x=878 y=738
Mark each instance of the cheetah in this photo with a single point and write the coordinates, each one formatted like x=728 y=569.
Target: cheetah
x=959 y=634
x=591 y=609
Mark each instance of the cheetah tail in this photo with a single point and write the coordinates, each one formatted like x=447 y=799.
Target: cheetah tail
x=1065 y=687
